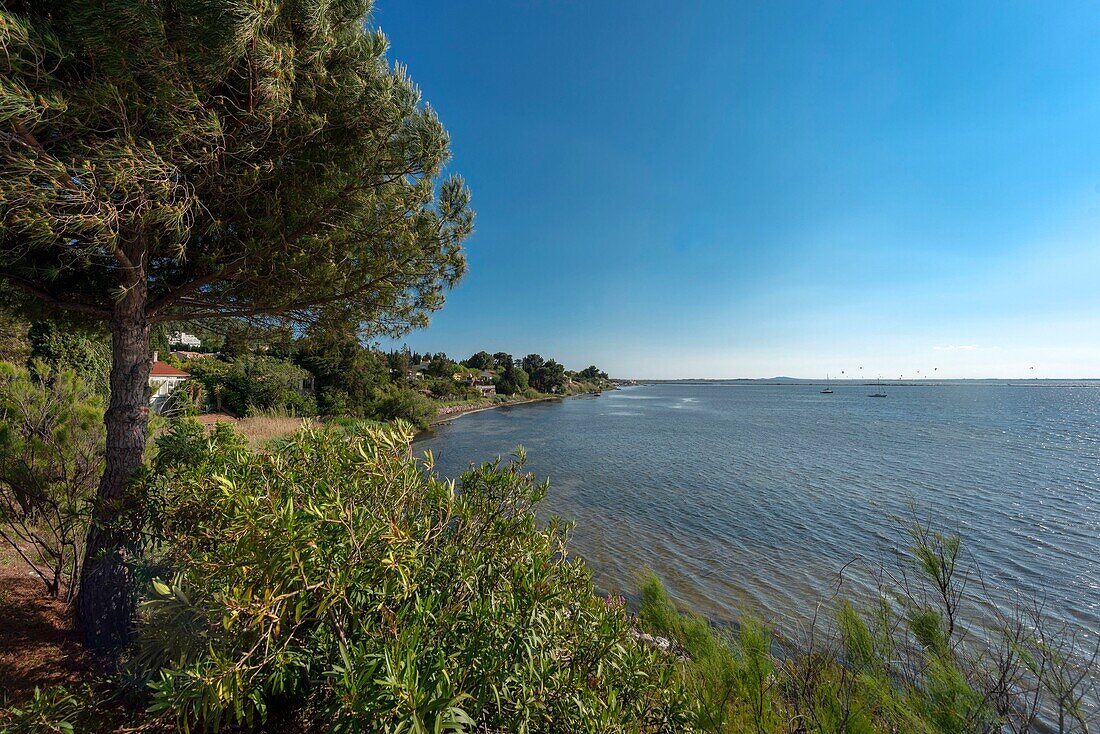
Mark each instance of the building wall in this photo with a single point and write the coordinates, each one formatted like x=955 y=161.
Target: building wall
x=161 y=387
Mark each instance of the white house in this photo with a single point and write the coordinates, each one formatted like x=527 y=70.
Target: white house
x=183 y=339
x=481 y=379
x=416 y=372
x=163 y=379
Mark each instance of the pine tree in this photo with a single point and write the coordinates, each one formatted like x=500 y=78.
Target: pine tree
x=163 y=160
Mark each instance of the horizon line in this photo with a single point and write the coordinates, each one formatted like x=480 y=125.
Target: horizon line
x=859 y=380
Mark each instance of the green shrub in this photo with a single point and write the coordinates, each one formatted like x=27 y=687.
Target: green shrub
x=402 y=403
x=54 y=710
x=187 y=399
x=51 y=456
x=446 y=388
x=731 y=678
x=347 y=373
x=67 y=346
x=187 y=444
x=334 y=401
x=337 y=579
x=513 y=380
x=15 y=346
x=251 y=385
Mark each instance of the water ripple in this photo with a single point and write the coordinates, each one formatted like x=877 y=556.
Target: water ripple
x=753 y=498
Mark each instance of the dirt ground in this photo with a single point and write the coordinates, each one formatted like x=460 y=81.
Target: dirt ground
x=37 y=644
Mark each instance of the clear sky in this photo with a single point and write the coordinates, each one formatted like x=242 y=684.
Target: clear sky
x=750 y=189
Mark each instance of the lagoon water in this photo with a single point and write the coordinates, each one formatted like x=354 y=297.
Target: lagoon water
x=753 y=498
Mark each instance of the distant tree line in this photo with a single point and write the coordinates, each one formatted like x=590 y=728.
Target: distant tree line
x=246 y=370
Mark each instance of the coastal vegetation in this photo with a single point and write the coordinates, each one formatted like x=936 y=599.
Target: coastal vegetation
x=196 y=159
x=259 y=164
x=333 y=582
x=262 y=174
x=368 y=595
x=913 y=660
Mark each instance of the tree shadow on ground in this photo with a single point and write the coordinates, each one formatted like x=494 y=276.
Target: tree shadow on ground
x=38 y=647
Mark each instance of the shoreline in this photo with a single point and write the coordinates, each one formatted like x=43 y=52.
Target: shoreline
x=457 y=411
x=447 y=414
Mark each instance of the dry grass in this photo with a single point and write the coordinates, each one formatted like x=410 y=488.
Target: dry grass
x=262 y=429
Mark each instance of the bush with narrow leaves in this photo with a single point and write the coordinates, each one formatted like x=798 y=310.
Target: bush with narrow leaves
x=55 y=710
x=336 y=583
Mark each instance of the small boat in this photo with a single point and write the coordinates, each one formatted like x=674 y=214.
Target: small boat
x=878 y=393
x=828 y=390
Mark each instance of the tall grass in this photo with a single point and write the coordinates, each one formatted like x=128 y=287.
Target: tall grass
x=906 y=663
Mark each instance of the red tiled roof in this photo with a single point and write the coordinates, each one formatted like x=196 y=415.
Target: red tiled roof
x=163 y=369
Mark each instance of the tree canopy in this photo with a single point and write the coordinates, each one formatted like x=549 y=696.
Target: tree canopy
x=341 y=363
x=212 y=158
x=247 y=160
x=592 y=372
x=549 y=377
x=532 y=363
x=480 y=361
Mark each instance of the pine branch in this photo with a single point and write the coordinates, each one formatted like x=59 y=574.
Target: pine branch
x=42 y=294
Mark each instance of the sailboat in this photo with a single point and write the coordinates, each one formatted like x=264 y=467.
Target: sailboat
x=878 y=393
x=828 y=390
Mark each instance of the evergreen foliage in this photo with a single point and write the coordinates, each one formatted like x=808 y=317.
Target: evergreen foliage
x=250 y=159
x=480 y=361
x=254 y=384
x=513 y=380
x=61 y=346
x=348 y=375
x=549 y=377
x=211 y=159
x=51 y=454
x=901 y=665
x=335 y=584
x=15 y=347
x=400 y=403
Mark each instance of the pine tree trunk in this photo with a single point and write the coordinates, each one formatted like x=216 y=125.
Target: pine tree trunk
x=105 y=604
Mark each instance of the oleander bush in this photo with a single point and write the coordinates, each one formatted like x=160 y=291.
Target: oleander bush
x=336 y=585
x=53 y=710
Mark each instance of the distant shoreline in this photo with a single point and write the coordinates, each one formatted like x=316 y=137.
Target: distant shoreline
x=457 y=411
x=460 y=410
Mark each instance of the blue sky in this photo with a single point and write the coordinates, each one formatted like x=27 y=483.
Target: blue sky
x=748 y=189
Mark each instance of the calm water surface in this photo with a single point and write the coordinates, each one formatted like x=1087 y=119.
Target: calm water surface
x=753 y=498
